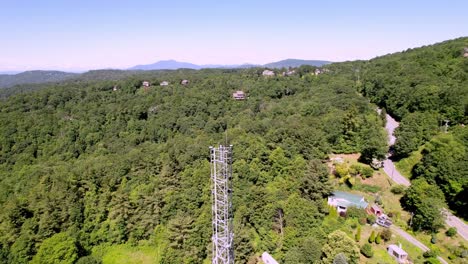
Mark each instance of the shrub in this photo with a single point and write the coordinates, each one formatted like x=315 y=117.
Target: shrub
x=367 y=172
x=398 y=189
x=451 y=232
x=362 y=221
x=367 y=251
x=430 y=254
x=386 y=234
x=357 y=237
x=355 y=212
x=378 y=239
x=371 y=219
x=431 y=261
x=434 y=238
x=371 y=237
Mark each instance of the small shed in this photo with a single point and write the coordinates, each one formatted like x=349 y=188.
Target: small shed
x=398 y=253
x=145 y=83
x=238 y=95
x=268 y=259
x=164 y=83
x=376 y=210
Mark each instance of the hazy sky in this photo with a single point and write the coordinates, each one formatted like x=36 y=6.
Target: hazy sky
x=82 y=34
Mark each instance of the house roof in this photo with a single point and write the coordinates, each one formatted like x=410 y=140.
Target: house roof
x=398 y=250
x=349 y=199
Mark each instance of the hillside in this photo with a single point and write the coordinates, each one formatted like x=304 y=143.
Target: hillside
x=99 y=168
x=93 y=170
x=427 y=89
x=28 y=77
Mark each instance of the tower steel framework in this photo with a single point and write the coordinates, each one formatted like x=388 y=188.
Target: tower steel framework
x=221 y=196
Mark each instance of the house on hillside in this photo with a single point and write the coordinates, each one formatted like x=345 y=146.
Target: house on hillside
x=238 y=95
x=289 y=73
x=184 y=82
x=268 y=73
x=465 y=52
x=145 y=83
x=342 y=200
x=164 y=83
x=398 y=253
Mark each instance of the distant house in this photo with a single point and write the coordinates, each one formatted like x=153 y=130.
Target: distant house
x=238 y=95
x=384 y=220
x=289 y=73
x=376 y=210
x=146 y=84
x=465 y=52
x=342 y=200
x=268 y=73
x=268 y=259
x=398 y=253
x=184 y=82
x=115 y=88
x=318 y=71
x=164 y=83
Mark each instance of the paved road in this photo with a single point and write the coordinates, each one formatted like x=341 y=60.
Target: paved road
x=453 y=221
x=392 y=172
x=413 y=240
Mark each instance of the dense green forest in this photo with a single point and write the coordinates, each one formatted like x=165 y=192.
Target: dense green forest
x=85 y=166
x=101 y=164
x=427 y=88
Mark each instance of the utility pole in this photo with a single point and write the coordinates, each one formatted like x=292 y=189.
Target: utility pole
x=221 y=197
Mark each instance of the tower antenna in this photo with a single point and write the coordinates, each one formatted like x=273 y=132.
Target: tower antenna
x=221 y=197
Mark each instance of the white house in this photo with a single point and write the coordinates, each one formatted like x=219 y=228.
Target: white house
x=164 y=83
x=268 y=73
x=398 y=253
x=146 y=84
x=342 y=200
x=238 y=95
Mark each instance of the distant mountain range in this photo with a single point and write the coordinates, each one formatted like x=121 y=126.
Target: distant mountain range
x=296 y=63
x=38 y=77
x=173 y=65
x=7 y=80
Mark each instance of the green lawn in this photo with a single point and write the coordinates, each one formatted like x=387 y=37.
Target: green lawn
x=404 y=166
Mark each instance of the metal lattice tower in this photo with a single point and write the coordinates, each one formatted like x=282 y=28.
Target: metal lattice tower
x=221 y=197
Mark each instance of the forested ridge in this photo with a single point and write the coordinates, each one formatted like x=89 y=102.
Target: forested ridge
x=427 y=89
x=90 y=166
x=85 y=167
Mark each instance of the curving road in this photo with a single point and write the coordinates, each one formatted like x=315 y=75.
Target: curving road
x=392 y=172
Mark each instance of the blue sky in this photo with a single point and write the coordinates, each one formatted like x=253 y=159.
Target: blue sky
x=82 y=34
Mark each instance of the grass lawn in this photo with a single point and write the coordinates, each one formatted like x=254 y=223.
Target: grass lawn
x=404 y=166
x=127 y=254
x=444 y=244
x=380 y=250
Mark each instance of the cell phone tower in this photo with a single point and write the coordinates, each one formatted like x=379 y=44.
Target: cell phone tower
x=221 y=197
